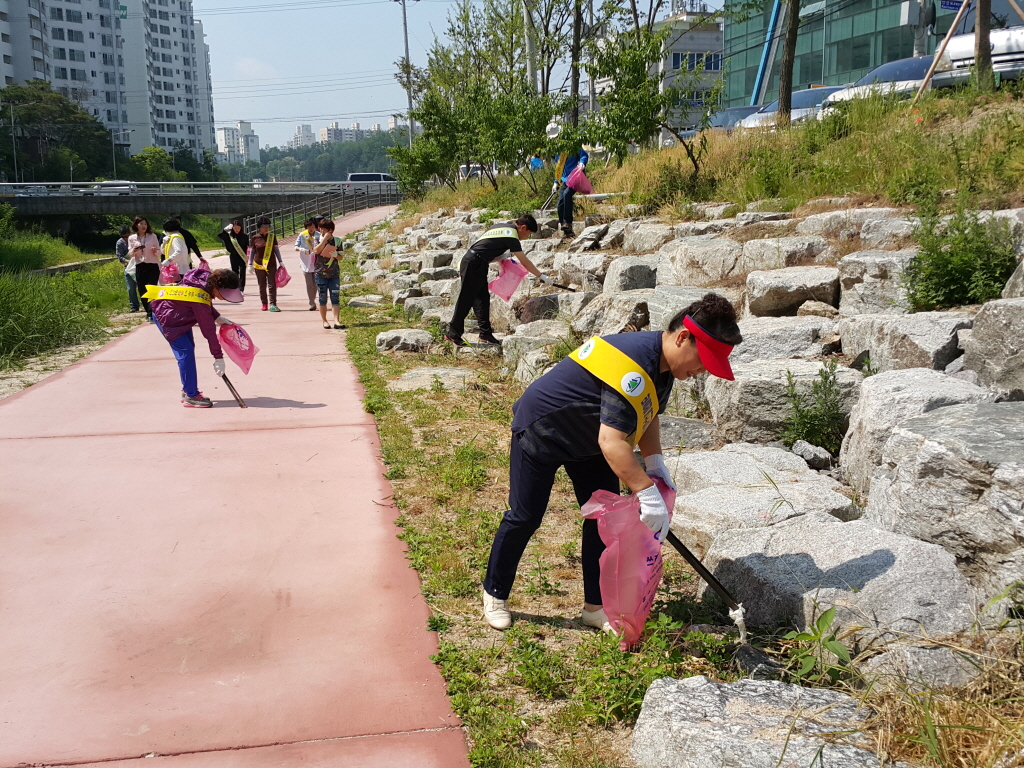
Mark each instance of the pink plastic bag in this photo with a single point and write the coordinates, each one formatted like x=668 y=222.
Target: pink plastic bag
x=238 y=345
x=510 y=275
x=631 y=565
x=282 y=278
x=578 y=181
x=204 y=264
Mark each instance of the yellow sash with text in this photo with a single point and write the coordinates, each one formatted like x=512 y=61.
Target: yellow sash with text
x=176 y=293
x=268 y=251
x=623 y=374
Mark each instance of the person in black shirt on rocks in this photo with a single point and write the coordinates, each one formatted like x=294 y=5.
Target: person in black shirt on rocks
x=492 y=244
x=587 y=415
x=236 y=243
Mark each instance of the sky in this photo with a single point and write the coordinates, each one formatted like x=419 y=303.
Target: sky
x=313 y=62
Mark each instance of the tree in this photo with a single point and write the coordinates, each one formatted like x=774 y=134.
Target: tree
x=788 y=60
x=154 y=164
x=983 y=45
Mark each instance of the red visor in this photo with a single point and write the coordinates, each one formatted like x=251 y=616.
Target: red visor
x=714 y=354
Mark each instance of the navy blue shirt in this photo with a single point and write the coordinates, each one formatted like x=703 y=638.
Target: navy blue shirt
x=559 y=415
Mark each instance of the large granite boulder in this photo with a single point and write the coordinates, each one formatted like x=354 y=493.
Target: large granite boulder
x=779 y=292
x=533 y=365
x=888 y=233
x=682 y=433
x=870 y=282
x=587 y=270
x=920 y=340
x=955 y=477
x=630 y=273
x=779 y=252
x=768 y=338
x=700 y=723
x=667 y=300
x=432 y=259
x=416 y=306
x=754 y=406
x=554 y=306
x=645 y=236
x=747 y=486
x=614 y=313
x=834 y=223
x=922 y=668
x=887 y=399
x=700 y=262
x=447 y=289
x=886 y=584
x=438 y=273
x=449 y=242
x=995 y=346
x=589 y=239
x=403 y=340
x=540 y=334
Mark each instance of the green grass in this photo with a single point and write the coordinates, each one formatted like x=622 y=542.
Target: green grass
x=39 y=314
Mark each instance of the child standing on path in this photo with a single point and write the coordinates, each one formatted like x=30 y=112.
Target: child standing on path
x=178 y=308
x=328 y=273
x=305 y=243
x=265 y=256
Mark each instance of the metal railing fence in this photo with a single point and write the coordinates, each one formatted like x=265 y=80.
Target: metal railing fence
x=289 y=219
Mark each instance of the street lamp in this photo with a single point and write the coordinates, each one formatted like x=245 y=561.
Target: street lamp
x=113 y=151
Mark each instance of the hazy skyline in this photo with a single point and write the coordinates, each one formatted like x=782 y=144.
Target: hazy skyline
x=308 y=76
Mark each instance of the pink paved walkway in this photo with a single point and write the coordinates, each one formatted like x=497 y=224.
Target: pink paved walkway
x=220 y=586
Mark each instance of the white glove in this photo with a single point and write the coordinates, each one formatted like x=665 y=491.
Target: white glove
x=221 y=320
x=218 y=368
x=554 y=187
x=546 y=280
x=655 y=464
x=653 y=512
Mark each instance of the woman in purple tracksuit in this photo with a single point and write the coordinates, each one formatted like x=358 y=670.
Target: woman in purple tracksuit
x=177 y=308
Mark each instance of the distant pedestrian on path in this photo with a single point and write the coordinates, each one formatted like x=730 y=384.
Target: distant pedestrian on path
x=236 y=243
x=305 y=243
x=187 y=305
x=328 y=272
x=492 y=245
x=144 y=247
x=176 y=260
x=265 y=256
x=190 y=240
x=121 y=250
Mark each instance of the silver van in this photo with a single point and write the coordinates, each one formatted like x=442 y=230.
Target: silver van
x=954 y=66
x=368 y=182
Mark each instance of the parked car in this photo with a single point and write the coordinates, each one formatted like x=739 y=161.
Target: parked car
x=724 y=119
x=112 y=188
x=902 y=77
x=954 y=66
x=365 y=182
x=805 y=104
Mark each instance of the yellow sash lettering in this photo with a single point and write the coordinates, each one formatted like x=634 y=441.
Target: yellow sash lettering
x=268 y=251
x=497 y=232
x=623 y=374
x=176 y=293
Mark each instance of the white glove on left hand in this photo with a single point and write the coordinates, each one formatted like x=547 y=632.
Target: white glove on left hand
x=221 y=320
x=655 y=464
x=653 y=512
x=546 y=280
x=554 y=187
x=218 y=366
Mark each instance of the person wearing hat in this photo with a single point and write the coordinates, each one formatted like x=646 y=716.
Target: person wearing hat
x=588 y=414
x=493 y=244
x=265 y=256
x=236 y=243
x=177 y=308
x=566 y=164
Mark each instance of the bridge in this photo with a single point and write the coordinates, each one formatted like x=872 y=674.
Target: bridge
x=226 y=199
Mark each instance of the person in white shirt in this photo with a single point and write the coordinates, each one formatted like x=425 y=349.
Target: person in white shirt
x=304 y=244
x=175 y=252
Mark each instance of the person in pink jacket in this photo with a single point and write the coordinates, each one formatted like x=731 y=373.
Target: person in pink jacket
x=180 y=307
x=144 y=247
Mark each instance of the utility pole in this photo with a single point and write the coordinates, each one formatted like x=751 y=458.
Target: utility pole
x=577 y=31
x=14 y=146
x=408 y=64
x=531 y=50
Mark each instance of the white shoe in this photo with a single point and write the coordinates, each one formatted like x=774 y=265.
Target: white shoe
x=597 y=619
x=496 y=612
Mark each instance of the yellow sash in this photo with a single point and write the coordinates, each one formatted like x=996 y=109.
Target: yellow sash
x=620 y=372
x=176 y=293
x=268 y=251
x=169 y=240
x=497 y=232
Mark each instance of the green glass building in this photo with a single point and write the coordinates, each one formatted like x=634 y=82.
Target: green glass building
x=840 y=41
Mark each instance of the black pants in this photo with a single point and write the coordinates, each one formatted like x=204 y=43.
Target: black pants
x=238 y=267
x=146 y=275
x=530 y=483
x=267 y=279
x=473 y=294
x=565 y=203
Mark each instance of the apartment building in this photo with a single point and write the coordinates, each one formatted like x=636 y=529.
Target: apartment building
x=303 y=137
x=238 y=144
x=145 y=74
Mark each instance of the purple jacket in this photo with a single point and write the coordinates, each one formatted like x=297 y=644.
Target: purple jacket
x=176 y=318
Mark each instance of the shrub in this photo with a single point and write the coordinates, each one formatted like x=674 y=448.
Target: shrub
x=966 y=261
x=817 y=417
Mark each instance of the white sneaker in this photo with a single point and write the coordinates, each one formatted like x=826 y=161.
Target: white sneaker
x=597 y=619
x=496 y=612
